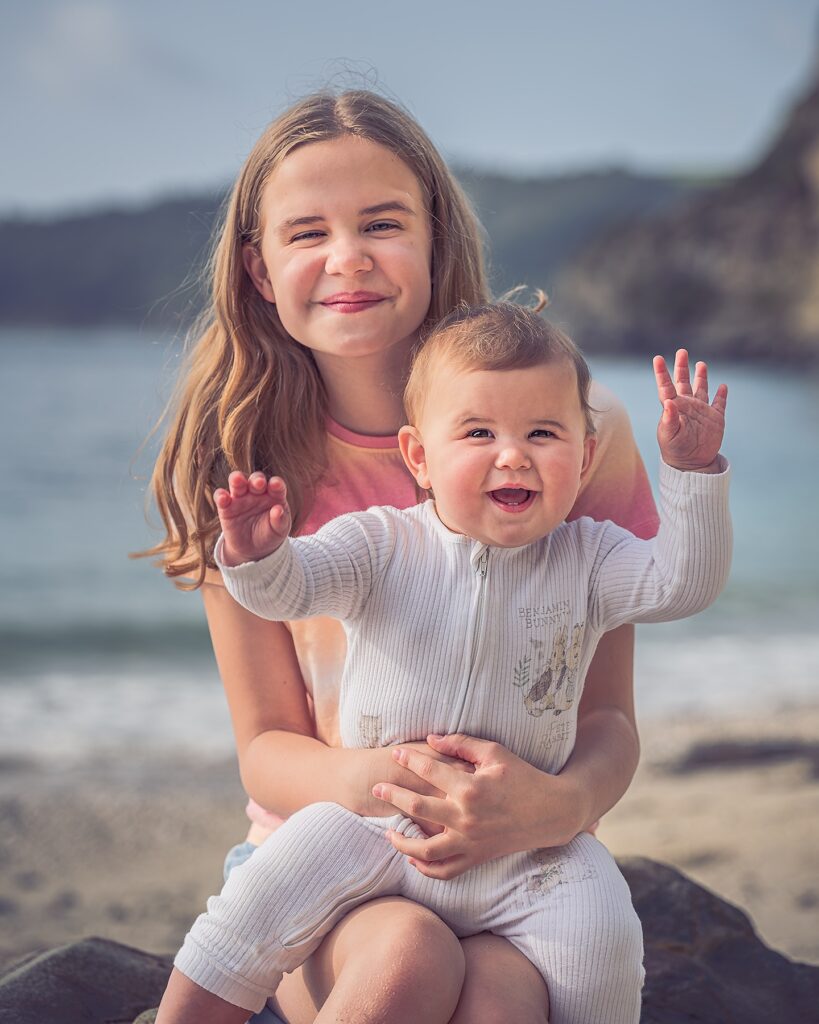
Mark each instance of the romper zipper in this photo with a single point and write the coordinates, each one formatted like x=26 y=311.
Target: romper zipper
x=480 y=569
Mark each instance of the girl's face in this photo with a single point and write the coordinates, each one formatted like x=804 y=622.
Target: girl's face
x=346 y=249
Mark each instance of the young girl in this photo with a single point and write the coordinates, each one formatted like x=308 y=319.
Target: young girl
x=345 y=235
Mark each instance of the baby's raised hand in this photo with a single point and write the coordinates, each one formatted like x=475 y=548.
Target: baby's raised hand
x=690 y=430
x=254 y=516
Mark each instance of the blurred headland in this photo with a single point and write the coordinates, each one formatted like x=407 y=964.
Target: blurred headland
x=736 y=267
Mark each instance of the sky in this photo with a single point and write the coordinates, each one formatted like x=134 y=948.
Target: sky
x=117 y=102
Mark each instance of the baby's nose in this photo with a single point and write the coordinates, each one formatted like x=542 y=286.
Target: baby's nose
x=512 y=457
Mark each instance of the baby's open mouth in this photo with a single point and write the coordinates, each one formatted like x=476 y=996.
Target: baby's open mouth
x=513 y=499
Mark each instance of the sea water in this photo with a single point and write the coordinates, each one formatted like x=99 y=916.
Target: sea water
x=100 y=653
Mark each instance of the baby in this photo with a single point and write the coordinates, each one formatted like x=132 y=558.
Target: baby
x=477 y=611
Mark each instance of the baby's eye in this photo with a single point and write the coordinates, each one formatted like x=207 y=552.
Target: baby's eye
x=480 y=432
x=542 y=432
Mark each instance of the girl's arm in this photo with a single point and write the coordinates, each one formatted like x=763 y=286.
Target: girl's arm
x=607 y=745
x=283 y=765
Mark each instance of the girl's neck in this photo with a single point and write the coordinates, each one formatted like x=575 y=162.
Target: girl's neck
x=366 y=394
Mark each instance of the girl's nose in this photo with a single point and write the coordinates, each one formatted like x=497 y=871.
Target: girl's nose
x=348 y=256
x=512 y=457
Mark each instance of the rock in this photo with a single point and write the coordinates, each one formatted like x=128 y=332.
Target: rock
x=704 y=962
x=708 y=755
x=704 y=965
x=735 y=270
x=90 y=982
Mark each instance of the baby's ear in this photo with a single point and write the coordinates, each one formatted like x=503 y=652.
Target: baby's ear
x=412 y=449
x=257 y=272
x=589 y=446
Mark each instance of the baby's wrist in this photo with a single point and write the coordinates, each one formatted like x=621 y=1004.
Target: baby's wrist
x=715 y=466
x=230 y=557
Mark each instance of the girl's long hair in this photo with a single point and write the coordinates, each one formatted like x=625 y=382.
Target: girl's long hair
x=250 y=397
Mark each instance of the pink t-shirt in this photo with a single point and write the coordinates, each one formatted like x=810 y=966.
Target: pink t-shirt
x=365 y=471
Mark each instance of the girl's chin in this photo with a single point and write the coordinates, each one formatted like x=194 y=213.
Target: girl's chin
x=354 y=346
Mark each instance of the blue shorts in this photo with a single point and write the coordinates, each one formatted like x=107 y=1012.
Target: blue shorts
x=236 y=856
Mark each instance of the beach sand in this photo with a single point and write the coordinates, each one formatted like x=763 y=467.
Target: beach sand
x=129 y=848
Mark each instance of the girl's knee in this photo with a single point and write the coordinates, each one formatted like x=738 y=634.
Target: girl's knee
x=405 y=938
x=412 y=937
x=394 y=950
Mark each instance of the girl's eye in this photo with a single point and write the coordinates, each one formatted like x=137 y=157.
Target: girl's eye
x=306 y=236
x=480 y=432
x=383 y=225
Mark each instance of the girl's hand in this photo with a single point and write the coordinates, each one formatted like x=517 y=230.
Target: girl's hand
x=690 y=430
x=499 y=809
x=254 y=517
x=379 y=764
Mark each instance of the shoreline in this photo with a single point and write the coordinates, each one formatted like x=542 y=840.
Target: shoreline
x=129 y=848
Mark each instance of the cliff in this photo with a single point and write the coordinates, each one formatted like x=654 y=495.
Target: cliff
x=733 y=272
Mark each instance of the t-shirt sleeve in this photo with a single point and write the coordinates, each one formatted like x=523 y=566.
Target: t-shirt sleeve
x=616 y=486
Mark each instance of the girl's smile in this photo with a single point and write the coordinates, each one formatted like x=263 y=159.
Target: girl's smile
x=353 y=302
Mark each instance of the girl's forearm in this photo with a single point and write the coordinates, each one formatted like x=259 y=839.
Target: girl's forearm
x=601 y=766
x=607 y=745
x=285 y=771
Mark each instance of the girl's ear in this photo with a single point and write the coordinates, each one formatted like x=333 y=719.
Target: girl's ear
x=412 y=449
x=589 y=446
x=257 y=272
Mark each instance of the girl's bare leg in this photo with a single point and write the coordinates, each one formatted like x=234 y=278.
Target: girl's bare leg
x=501 y=985
x=388 y=960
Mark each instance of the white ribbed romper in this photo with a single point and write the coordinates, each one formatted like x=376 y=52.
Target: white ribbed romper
x=446 y=635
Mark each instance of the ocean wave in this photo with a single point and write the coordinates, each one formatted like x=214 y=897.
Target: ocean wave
x=28 y=646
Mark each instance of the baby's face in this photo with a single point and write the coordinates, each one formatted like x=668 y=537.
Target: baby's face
x=504 y=451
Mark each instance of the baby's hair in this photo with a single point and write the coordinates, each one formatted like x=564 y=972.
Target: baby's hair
x=498 y=336
x=250 y=397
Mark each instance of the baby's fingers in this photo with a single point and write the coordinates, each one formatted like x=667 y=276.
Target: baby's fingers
x=665 y=385
x=670 y=419
x=279 y=519
x=221 y=498
x=279 y=515
x=277 y=490
x=238 y=484
x=721 y=399
x=257 y=483
x=682 y=377
x=701 y=382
